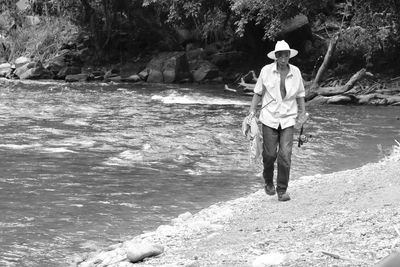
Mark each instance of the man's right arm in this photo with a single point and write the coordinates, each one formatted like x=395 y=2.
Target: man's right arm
x=258 y=91
x=254 y=103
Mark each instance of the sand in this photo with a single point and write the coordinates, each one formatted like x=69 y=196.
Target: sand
x=347 y=218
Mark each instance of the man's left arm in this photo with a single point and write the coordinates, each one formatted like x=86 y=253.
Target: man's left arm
x=301 y=103
x=300 y=99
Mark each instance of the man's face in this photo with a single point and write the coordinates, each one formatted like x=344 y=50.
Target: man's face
x=282 y=56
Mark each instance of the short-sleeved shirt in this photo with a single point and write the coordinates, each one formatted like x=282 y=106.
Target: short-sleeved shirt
x=275 y=110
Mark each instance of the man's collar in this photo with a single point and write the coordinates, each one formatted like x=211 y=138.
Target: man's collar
x=275 y=69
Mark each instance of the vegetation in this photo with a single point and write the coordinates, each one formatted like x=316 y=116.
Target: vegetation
x=370 y=30
x=40 y=42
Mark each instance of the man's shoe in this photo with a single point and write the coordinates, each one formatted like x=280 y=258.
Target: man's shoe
x=283 y=196
x=270 y=189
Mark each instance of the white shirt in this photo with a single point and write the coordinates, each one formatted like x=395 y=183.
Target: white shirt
x=276 y=111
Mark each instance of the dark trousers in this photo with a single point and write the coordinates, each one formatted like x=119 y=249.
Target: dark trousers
x=271 y=139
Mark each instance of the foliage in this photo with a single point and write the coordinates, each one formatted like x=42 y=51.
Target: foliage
x=208 y=18
x=269 y=14
x=373 y=32
x=41 y=41
x=371 y=28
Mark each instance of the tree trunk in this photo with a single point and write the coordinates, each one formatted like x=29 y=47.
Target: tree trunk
x=311 y=92
x=87 y=11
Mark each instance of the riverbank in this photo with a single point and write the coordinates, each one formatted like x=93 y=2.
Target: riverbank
x=353 y=213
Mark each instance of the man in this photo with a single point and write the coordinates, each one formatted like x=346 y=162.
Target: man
x=281 y=91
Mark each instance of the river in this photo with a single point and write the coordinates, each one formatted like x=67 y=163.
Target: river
x=84 y=166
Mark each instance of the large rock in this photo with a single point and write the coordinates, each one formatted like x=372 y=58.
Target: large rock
x=32 y=70
x=168 y=67
x=155 y=76
x=21 y=61
x=138 y=251
x=5 y=69
x=130 y=72
x=203 y=70
x=21 y=69
x=56 y=64
x=68 y=71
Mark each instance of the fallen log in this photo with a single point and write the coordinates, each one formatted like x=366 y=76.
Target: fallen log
x=246 y=86
x=340 y=99
x=226 y=88
x=392 y=91
x=378 y=99
x=331 y=91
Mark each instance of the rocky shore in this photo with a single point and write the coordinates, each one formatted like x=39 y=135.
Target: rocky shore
x=347 y=218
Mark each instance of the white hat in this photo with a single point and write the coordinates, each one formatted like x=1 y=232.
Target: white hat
x=282 y=46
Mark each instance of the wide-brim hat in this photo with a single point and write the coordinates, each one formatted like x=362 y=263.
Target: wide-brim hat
x=282 y=46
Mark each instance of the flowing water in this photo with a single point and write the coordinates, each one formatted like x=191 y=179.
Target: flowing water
x=86 y=165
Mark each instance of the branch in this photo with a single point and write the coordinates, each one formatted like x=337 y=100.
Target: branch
x=338 y=257
x=325 y=63
x=330 y=91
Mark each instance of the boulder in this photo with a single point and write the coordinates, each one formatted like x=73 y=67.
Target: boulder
x=19 y=62
x=32 y=70
x=140 y=250
x=203 y=70
x=5 y=69
x=21 y=69
x=68 y=70
x=28 y=74
x=144 y=74
x=56 y=64
x=155 y=76
x=130 y=72
x=168 y=67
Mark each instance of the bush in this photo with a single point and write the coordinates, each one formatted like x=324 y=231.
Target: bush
x=40 y=42
x=372 y=37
